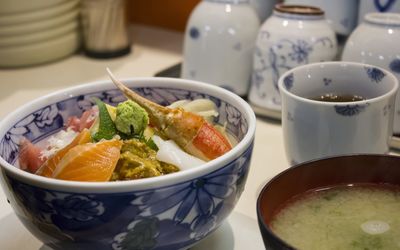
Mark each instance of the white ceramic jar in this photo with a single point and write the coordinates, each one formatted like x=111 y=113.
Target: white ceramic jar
x=292 y=36
x=341 y=14
x=377 y=41
x=219 y=44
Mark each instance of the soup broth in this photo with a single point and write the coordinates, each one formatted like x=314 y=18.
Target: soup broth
x=359 y=217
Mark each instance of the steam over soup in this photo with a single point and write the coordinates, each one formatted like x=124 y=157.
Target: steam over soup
x=363 y=217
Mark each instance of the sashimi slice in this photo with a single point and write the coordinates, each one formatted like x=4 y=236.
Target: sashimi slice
x=29 y=156
x=89 y=162
x=48 y=167
x=170 y=152
x=85 y=121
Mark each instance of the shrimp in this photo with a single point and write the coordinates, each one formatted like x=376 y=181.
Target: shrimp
x=190 y=131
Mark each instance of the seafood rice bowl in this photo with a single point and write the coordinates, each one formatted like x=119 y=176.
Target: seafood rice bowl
x=137 y=196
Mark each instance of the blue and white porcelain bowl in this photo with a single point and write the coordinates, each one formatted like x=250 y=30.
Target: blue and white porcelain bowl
x=315 y=129
x=169 y=212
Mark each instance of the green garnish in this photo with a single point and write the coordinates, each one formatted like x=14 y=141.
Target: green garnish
x=106 y=128
x=151 y=144
x=131 y=120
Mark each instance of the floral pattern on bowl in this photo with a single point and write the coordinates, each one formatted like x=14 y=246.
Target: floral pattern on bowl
x=189 y=210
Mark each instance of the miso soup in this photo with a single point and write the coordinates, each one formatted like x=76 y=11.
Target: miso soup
x=345 y=217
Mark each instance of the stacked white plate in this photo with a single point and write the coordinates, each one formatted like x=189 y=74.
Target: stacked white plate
x=38 y=31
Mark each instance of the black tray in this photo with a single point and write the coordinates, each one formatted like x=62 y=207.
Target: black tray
x=173 y=71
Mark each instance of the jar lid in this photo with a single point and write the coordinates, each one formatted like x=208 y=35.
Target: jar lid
x=304 y=10
x=387 y=19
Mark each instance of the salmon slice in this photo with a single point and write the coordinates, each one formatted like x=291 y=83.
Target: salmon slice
x=29 y=156
x=48 y=167
x=89 y=162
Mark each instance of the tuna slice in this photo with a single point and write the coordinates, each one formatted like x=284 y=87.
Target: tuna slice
x=85 y=121
x=29 y=156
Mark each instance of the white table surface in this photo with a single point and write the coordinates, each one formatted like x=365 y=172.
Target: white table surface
x=153 y=50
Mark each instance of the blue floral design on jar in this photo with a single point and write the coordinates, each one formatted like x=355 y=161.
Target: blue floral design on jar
x=282 y=56
x=384 y=7
x=350 y=110
x=375 y=74
x=257 y=78
x=264 y=34
x=194 y=33
x=395 y=66
x=288 y=81
x=300 y=51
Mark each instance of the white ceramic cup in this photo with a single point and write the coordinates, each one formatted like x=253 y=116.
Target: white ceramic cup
x=317 y=129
